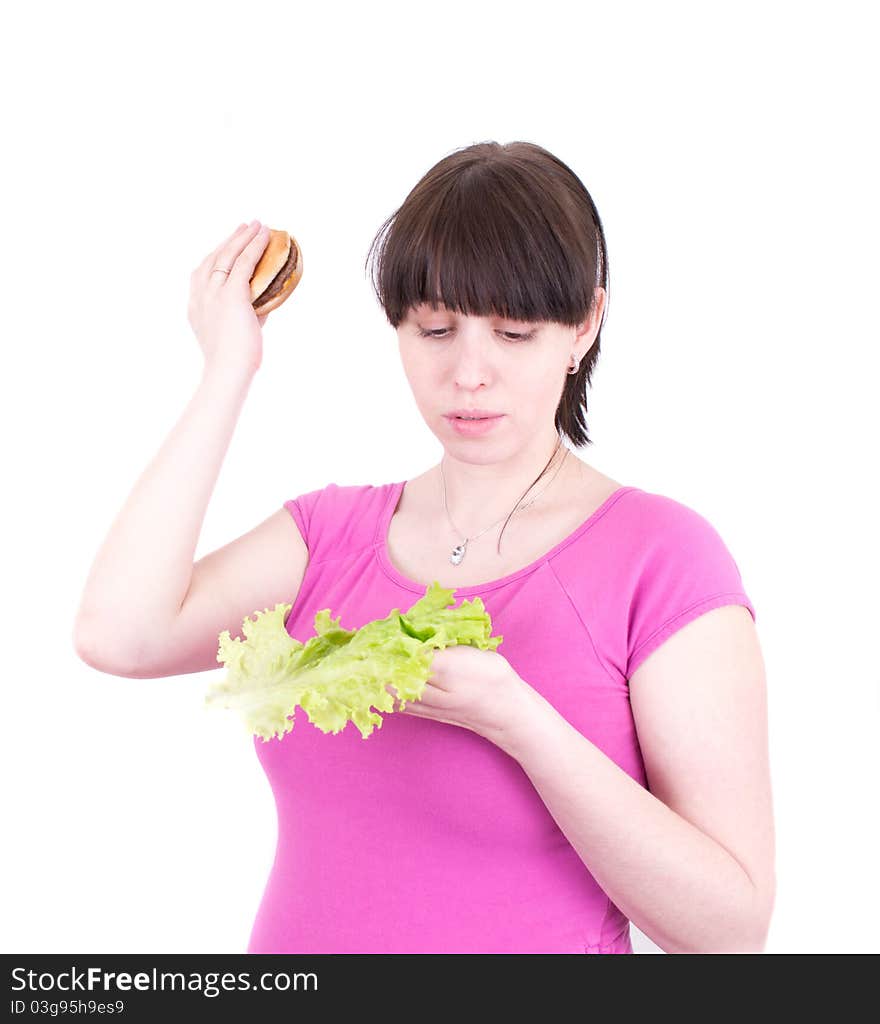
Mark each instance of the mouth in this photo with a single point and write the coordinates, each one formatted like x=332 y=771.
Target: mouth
x=471 y=425
x=472 y=414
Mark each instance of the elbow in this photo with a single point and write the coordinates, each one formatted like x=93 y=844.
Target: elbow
x=756 y=926
x=743 y=932
x=751 y=936
x=97 y=654
x=762 y=917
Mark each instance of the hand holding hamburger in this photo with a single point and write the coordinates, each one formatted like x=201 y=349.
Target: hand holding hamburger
x=233 y=290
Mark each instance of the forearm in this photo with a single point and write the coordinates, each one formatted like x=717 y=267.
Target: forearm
x=144 y=567
x=675 y=883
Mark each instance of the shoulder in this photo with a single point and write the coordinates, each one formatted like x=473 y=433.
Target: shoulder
x=645 y=525
x=337 y=518
x=644 y=567
x=665 y=530
x=338 y=497
x=659 y=512
x=641 y=516
x=680 y=568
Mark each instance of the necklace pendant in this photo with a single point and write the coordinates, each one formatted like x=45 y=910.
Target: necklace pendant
x=458 y=553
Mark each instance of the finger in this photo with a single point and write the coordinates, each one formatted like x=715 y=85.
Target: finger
x=434 y=716
x=433 y=697
x=248 y=257
x=392 y=691
x=211 y=259
x=230 y=238
x=229 y=253
x=413 y=709
x=439 y=679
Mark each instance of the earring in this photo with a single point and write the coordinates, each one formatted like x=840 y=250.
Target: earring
x=574 y=369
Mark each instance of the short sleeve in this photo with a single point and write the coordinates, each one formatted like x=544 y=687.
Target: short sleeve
x=335 y=521
x=302 y=509
x=687 y=570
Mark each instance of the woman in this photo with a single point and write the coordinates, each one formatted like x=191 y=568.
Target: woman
x=608 y=763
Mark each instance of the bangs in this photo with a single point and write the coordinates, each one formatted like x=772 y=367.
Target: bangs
x=482 y=242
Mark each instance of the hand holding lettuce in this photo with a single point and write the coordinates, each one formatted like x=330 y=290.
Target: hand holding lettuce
x=340 y=675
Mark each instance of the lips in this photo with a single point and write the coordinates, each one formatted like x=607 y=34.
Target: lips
x=473 y=414
x=475 y=426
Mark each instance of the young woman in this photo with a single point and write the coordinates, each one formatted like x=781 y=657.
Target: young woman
x=609 y=762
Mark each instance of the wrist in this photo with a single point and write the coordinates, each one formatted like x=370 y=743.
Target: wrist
x=227 y=378
x=526 y=710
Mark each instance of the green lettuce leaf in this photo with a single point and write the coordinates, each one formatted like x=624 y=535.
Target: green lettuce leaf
x=340 y=675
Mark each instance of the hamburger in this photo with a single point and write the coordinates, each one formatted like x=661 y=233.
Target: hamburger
x=277 y=272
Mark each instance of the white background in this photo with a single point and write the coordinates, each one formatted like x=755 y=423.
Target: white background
x=729 y=149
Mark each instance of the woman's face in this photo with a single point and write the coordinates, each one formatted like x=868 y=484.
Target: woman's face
x=514 y=369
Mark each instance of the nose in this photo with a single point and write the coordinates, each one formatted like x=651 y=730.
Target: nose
x=472 y=364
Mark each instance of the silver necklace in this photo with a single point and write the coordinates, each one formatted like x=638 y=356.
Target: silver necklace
x=457 y=554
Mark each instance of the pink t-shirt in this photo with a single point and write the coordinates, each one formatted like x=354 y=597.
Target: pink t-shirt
x=425 y=837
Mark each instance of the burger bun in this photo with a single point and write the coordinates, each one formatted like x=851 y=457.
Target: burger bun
x=277 y=273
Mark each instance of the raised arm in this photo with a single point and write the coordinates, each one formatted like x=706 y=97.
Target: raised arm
x=143 y=591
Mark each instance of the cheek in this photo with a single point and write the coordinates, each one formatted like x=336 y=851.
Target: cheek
x=538 y=378
x=419 y=372
x=411 y=365
x=422 y=380
x=423 y=370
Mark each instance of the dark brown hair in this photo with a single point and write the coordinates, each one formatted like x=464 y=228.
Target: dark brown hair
x=506 y=230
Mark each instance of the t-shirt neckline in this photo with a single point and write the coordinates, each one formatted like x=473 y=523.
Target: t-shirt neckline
x=380 y=545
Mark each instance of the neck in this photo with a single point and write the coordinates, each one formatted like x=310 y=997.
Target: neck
x=478 y=493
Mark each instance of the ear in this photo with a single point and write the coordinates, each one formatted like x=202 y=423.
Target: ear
x=587 y=331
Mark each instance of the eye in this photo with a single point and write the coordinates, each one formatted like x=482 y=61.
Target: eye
x=507 y=335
